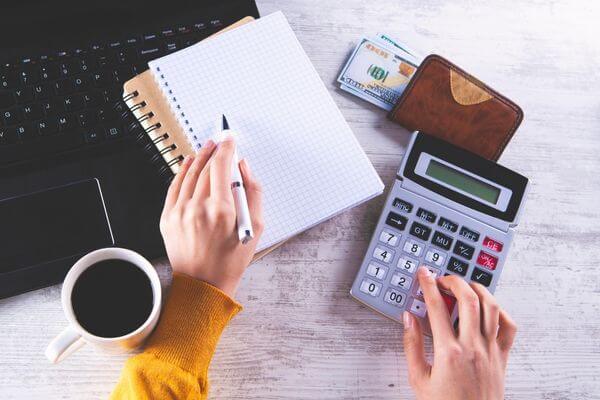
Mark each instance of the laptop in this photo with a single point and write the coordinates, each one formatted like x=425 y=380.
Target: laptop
x=72 y=176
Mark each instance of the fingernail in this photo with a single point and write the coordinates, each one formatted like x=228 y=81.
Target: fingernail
x=244 y=164
x=425 y=272
x=229 y=138
x=188 y=159
x=209 y=144
x=407 y=318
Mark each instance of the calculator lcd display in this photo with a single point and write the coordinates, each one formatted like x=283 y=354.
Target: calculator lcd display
x=462 y=181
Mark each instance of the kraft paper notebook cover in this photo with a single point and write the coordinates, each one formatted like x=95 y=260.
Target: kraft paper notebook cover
x=299 y=146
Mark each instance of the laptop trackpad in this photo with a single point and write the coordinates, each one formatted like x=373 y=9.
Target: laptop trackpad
x=53 y=224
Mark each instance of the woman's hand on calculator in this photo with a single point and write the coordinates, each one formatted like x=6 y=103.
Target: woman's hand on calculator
x=469 y=364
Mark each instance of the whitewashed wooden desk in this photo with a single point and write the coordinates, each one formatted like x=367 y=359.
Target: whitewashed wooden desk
x=301 y=336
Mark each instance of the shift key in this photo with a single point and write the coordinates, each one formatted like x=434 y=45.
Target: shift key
x=396 y=221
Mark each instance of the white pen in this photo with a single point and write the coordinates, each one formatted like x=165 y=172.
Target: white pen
x=244 y=223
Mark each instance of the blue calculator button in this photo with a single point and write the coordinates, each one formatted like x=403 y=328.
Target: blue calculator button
x=402 y=205
x=464 y=250
x=469 y=234
x=420 y=231
x=441 y=240
x=396 y=221
x=447 y=225
x=426 y=215
x=457 y=266
x=485 y=278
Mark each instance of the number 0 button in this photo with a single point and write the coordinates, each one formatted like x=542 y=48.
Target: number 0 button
x=369 y=287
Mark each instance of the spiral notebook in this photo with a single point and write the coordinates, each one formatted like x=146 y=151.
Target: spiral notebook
x=296 y=140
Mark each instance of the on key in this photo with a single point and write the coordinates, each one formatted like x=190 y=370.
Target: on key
x=396 y=221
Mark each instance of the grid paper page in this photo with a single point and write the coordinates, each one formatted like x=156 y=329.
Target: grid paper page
x=295 y=139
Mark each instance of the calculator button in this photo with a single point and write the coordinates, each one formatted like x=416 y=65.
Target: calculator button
x=383 y=254
x=469 y=234
x=370 y=287
x=389 y=238
x=377 y=271
x=447 y=225
x=463 y=250
x=407 y=264
x=485 y=278
x=402 y=205
x=426 y=215
x=420 y=231
x=400 y=280
x=396 y=221
x=418 y=308
x=492 y=244
x=414 y=248
x=487 y=260
x=458 y=266
x=435 y=257
x=441 y=240
x=394 y=297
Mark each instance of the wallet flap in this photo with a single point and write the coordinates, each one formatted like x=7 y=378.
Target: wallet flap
x=466 y=93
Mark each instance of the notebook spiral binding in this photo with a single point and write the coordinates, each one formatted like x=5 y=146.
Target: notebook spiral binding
x=140 y=122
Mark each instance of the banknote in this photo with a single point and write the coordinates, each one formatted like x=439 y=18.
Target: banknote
x=377 y=72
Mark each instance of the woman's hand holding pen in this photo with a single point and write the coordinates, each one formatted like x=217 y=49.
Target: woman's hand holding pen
x=198 y=222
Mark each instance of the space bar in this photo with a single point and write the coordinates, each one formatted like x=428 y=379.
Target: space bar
x=45 y=146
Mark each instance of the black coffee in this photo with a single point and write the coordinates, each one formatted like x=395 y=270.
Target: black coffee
x=112 y=298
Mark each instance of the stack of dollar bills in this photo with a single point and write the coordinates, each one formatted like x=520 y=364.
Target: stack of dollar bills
x=379 y=70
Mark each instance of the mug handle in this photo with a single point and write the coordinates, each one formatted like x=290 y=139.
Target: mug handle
x=67 y=342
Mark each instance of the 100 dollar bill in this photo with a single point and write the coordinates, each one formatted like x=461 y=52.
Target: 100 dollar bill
x=377 y=73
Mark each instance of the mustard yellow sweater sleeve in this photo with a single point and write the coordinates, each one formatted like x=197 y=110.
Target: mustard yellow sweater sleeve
x=174 y=364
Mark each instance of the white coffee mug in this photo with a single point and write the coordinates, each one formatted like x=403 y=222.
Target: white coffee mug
x=74 y=336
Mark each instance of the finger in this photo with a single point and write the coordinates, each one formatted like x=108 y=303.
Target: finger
x=490 y=311
x=469 y=321
x=439 y=319
x=191 y=178
x=254 y=195
x=175 y=185
x=220 y=171
x=506 y=332
x=202 y=190
x=418 y=367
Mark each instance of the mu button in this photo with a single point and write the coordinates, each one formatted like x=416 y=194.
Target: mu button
x=441 y=240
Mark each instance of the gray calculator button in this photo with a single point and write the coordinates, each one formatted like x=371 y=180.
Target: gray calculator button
x=377 y=271
x=395 y=298
x=435 y=257
x=370 y=287
x=418 y=308
x=383 y=254
x=400 y=280
x=414 y=248
x=388 y=237
x=407 y=264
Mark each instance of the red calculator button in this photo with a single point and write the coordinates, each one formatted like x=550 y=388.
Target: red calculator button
x=449 y=300
x=492 y=244
x=487 y=260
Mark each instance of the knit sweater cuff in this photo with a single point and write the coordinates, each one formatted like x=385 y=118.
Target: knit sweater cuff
x=191 y=324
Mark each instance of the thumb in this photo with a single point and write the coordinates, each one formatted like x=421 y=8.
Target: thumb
x=418 y=367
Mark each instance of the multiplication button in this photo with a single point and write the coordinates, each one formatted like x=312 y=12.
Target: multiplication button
x=388 y=237
x=394 y=298
x=383 y=254
x=370 y=287
x=377 y=271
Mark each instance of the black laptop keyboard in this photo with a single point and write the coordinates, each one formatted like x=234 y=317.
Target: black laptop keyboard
x=65 y=101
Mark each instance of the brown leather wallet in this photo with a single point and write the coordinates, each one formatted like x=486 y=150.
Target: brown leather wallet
x=445 y=101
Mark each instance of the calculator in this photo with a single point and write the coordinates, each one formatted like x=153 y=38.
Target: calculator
x=449 y=210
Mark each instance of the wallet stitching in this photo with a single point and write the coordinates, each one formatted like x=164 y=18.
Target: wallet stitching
x=434 y=57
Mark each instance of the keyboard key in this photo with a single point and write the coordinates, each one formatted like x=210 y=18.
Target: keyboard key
x=377 y=271
x=492 y=244
x=418 y=308
x=487 y=260
x=457 y=266
x=87 y=119
x=407 y=264
x=113 y=131
x=73 y=103
x=402 y=205
x=63 y=87
x=42 y=91
x=7 y=99
x=469 y=234
x=447 y=225
x=92 y=135
x=33 y=112
x=7 y=136
x=388 y=237
x=47 y=127
x=28 y=75
x=370 y=287
x=52 y=107
x=396 y=221
x=66 y=123
x=420 y=231
x=25 y=132
x=123 y=73
x=441 y=240
x=127 y=55
x=482 y=277
x=435 y=257
x=80 y=83
x=105 y=114
x=24 y=95
x=412 y=247
x=69 y=68
x=425 y=215
x=394 y=298
x=112 y=95
x=49 y=72
x=383 y=254
x=8 y=79
x=102 y=79
x=12 y=117
x=464 y=250
x=401 y=281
